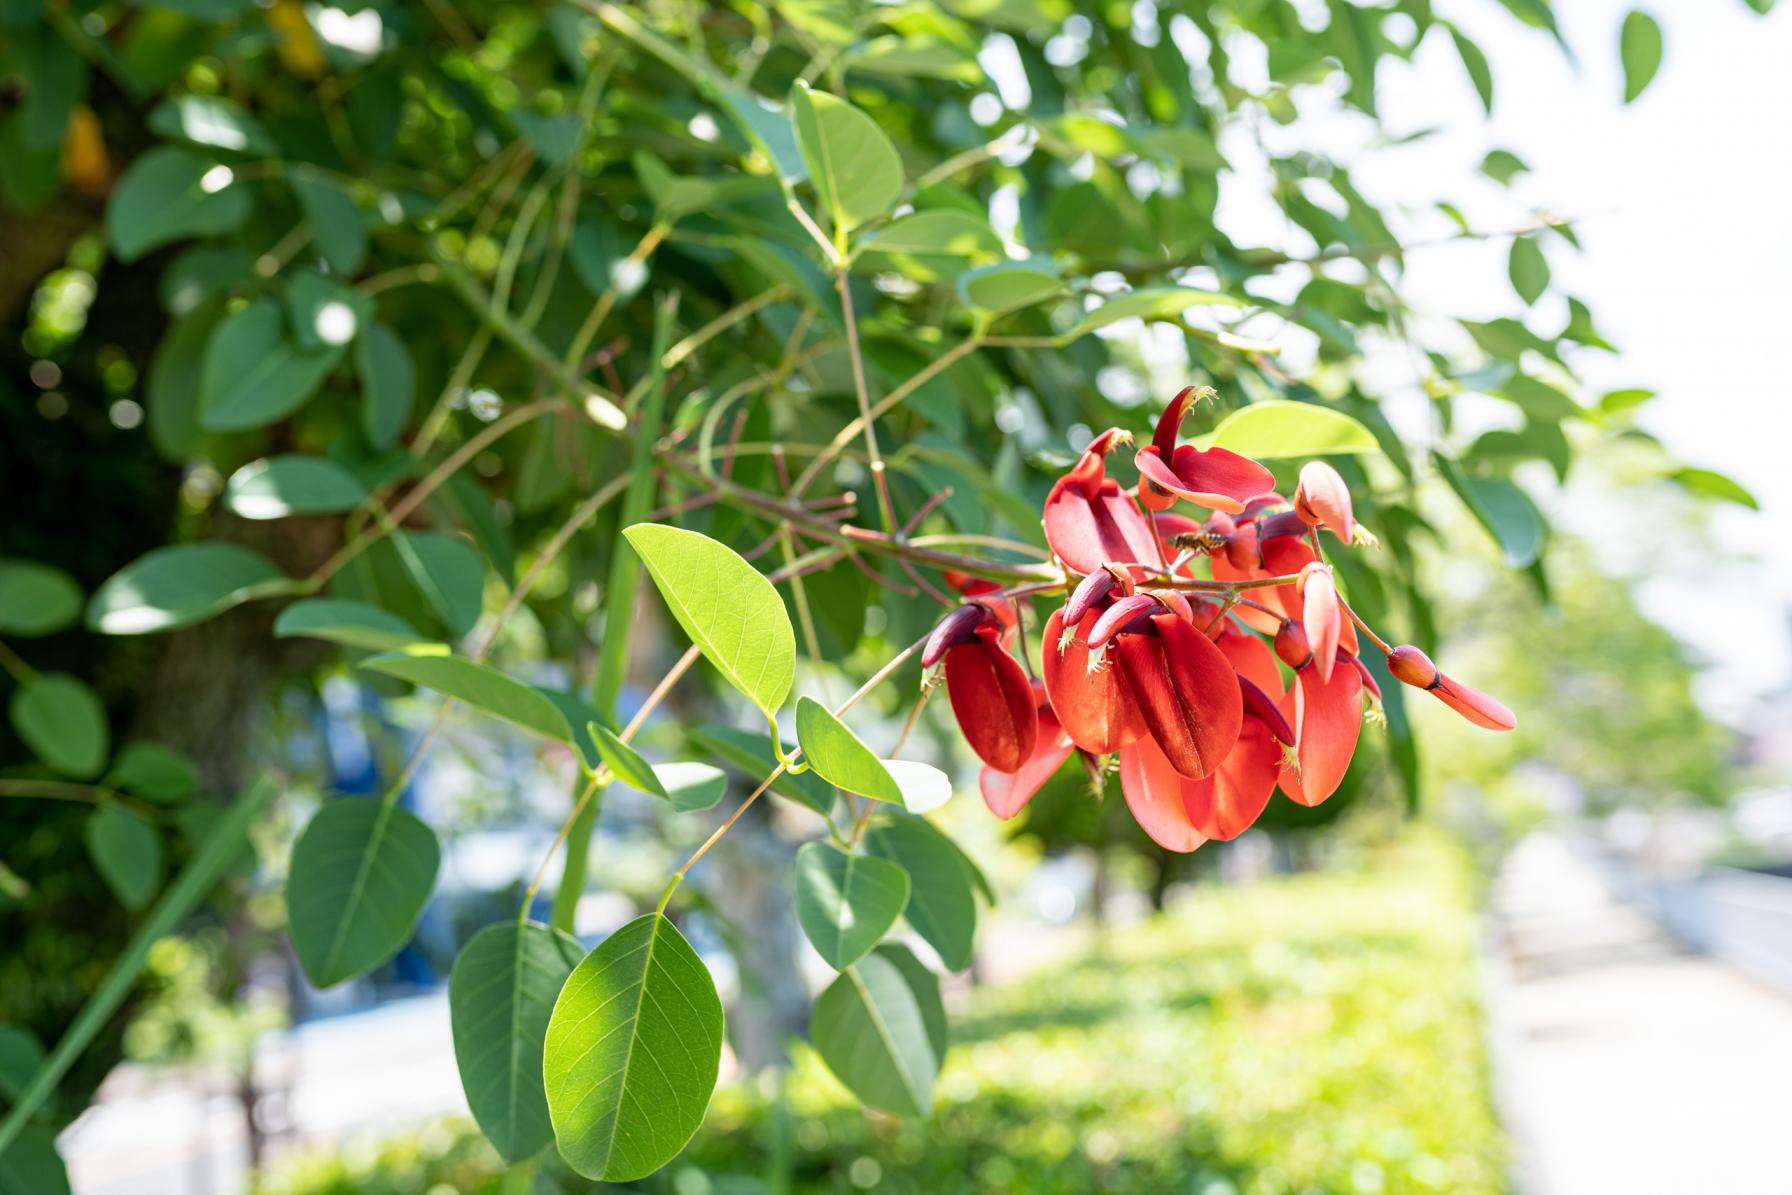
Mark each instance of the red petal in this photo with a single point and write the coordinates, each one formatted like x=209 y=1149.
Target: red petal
x=1225 y=570
x=1223 y=479
x=1120 y=617
x=1327 y=717
x=1323 y=498
x=1260 y=705
x=1153 y=790
x=1321 y=617
x=1476 y=706
x=1250 y=656
x=1094 y=708
x=993 y=701
x=1088 y=529
x=1187 y=693
x=958 y=627
x=1283 y=556
x=1007 y=793
x=1227 y=803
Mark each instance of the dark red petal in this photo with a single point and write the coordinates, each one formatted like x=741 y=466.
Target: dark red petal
x=1094 y=708
x=1088 y=529
x=958 y=627
x=1092 y=591
x=1260 y=705
x=993 y=701
x=1227 y=803
x=1153 y=790
x=1007 y=793
x=1120 y=617
x=1187 y=693
x=1327 y=717
x=1284 y=556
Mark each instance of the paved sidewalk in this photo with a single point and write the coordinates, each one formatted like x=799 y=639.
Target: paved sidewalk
x=1625 y=1064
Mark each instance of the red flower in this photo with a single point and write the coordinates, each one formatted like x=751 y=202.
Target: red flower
x=1327 y=716
x=1414 y=667
x=1215 y=477
x=1321 y=616
x=1090 y=520
x=1186 y=690
x=1322 y=499
x=1007 y=793
x=1153 y=789
x=991 y=695
x=1090 y=698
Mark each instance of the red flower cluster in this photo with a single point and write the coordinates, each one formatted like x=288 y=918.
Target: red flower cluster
x=1170 y=670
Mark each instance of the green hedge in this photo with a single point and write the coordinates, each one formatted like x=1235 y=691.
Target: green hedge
x=1313 y=1034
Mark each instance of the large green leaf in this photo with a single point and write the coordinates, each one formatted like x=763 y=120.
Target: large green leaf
x=942 y=904
x=128 y=853
x=36 y=599
x=500 y=996
x=388 y=382
x=350 y=623
x=168 y=193
x=846 y=903
x=748 y=753
x=361 y=874
x=633 y=1051
x=837 y=755
x=1278 y=429
x=61 y=719
x=277 y=486
x=1501 y=507
x=729 y=610
x=255 y=373
x=448 y=572
x=180 y=584
x=869 y=1028
x=1639 y=46
x=926 y=987
x=479 y=685
x=852 y=162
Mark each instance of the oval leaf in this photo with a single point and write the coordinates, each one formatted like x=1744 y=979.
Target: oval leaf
x=1278 y=429
x=746 y=752
x=181 y=584
x=361 y=874
x=36 y=599
x=277 y=486
x=868 y=1027
x=846 y=903
x=254 y=373
x=633 y=1050
x=478 y=685
x=924 y=787
x=837 y=756
x=942 y=905
x=448 y=572
x=128 y=853
x=1639 y=45
x=691 y=786
x=153 y=771
x=1528 y=269
x=388 y=383
x=625 y=762
x=944 y=232
x=1008 y=286
x=500 y=996
x=852 y=162
x=1152 y=303
x=61 y=719
x=729 y=610
x=350 y=623
x=169 y=193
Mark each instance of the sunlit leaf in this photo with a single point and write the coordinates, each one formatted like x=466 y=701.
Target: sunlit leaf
x=846 y=903
x=277 y=486
x=361 y=873
x=479 y=685
x=837 y=756
x=1639 y=46
x=180 y=584
x=625 y=762
x=1277 y=429
x=853 y=164
x=691 y=786
x=1707 y=483
x=169 y=193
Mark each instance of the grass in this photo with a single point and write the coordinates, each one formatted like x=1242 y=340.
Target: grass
x=1319 y=1033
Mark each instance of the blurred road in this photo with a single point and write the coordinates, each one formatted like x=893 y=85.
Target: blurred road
x=1623 y=1063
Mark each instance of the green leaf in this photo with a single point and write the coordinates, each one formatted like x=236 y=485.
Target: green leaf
x=180 y=584
x=1709 y=484
x=633 y=1051
x=31 y=1165
x=868 y=1027
x=1502 y=166
x=625 y=762
x=1009 y=285
x=1503 y=509
x=1152 y=303
x=691 y=786
x=277 y=486
x=500 y=996
x=336 y=224
x=20 y=1056
x=361 y=874
x=1618 y=401
x=926 y=988
x=1639 y=45
x=1528 y=268
x=153 y=771
x=36 y=598
x=747 y=752
x=942 y=232
x=924 y=787
x=324 y=312
x=726 y=607
x=61 y=719
x=479 y=685
x=350 y=623
x=128 y=853
x=254 y=373
x=853 y=164
x=846 y=903
x=214 y=122
x=448 y=572
x=388 y=383
x=914 y=57
x=171 y=389
x=164 y=196
x=837 y=756
x=1278 y=429
x=1475 y=63
x=942 y=904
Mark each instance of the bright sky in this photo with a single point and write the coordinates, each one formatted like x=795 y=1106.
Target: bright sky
x=1681 y=202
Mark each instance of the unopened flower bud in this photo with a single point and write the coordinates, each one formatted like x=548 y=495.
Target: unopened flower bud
x=1291 y=645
